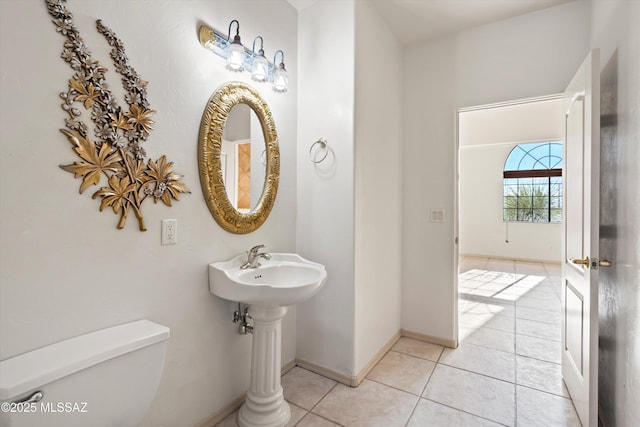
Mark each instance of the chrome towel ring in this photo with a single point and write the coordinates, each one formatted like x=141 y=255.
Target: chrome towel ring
x=321 y=145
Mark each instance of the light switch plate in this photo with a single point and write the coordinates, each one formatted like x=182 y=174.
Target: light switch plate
x=437 y=215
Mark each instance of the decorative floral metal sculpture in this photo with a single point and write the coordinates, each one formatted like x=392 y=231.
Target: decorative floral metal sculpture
x=117 y=152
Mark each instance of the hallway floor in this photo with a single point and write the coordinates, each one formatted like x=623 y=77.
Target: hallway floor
x=506 y=370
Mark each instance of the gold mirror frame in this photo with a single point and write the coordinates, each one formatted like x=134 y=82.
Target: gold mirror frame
x=214 y=118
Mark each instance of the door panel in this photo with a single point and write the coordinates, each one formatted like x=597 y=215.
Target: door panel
x=580 y=246
x=574 y=184
x=574 y=315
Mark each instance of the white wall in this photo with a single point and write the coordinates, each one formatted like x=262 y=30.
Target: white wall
x=325 y=222
x=527 y=56
x=616 y=31
x=378 y=191
x=349 y=205
x=481 y=229
x=486 y=137
x=519 y=121
x=64 y=267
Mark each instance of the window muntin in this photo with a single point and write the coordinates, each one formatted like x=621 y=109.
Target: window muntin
x=533 y=183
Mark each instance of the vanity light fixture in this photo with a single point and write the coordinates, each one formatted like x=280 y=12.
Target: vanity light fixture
x=280 y=77
x=260 y=72
x=235 y=50
x=240 y=58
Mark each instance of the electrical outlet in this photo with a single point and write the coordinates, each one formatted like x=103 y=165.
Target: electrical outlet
x=169 y=231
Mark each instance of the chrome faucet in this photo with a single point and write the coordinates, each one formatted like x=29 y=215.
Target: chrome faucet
x=253 y=257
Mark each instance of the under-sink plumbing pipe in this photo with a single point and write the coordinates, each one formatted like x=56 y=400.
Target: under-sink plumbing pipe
x=243 y=317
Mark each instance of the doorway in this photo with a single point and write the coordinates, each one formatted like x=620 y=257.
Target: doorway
x=508 y=255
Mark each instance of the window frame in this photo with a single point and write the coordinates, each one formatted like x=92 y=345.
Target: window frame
x=548 y=173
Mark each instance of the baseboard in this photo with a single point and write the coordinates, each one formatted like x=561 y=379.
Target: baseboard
x=287 y=367
x=428 y=338
x=228 y=409
x=355 y=381
x=320 y=370
x=223 y=412
x=510 y=258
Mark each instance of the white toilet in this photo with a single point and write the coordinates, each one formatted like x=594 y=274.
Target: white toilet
x=105 y=378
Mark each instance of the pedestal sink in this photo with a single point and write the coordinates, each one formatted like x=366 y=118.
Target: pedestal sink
x=282 y=280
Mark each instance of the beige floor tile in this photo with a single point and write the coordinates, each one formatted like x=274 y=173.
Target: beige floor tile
x=545 y=316
x=541 y=301
x=538 y=292
x=531 y=281
x=407 y=373
x=369 y=405
x=507 y=279
x=501 y=265
x=297 y=414
x=553 y=269
x=481 y=360
x=530 y=268
x=492 y=289
x=312 y=420
x=501 y=323
x=536 y=285
x=490 y=296
x=469 y=284
x=477 y=394
x=429 y=413
x=538 y=329
x=470 y=271
x=424 y=350
x=541 y=375
x=536 y=408
x=538 y=348
x=486 y=337
x=305 y=388
x=471 y=263
x=477 y=306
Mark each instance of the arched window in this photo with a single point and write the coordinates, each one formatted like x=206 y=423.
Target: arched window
x=533 y=183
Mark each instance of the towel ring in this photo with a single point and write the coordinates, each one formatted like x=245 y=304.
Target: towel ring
x=323 y=145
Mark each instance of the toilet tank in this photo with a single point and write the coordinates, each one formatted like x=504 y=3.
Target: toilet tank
x=106 y=378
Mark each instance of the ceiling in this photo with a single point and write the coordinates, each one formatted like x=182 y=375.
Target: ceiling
x=415 y=21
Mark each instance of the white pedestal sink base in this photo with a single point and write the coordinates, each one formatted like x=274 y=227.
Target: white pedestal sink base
x=265 y=405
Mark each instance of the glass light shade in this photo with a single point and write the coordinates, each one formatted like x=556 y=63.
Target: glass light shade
x=280 y=79
x=260 y=69
x=235 y=57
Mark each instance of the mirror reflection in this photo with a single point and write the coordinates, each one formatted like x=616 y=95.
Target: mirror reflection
x=242 y=159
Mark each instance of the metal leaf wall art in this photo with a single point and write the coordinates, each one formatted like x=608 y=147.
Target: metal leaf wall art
x=116 y=151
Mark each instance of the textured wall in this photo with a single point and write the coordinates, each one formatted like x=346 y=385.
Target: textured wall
x=64 y=267
x=378 y=186
x=325 y=191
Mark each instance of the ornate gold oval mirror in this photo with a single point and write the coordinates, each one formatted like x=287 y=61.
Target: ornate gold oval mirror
x=234 y=216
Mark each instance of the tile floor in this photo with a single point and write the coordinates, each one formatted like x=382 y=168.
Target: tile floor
x=506 y=370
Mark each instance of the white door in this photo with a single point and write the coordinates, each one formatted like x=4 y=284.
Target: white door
x=581 y=221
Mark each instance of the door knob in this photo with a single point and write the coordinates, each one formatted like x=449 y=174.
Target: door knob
x=580 y=261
